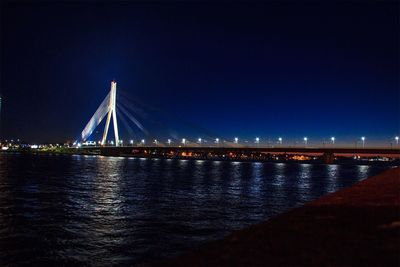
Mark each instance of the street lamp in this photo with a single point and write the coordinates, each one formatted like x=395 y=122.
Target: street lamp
x=169 y=141
x=143 y=141
x=155 y=142
x=305 y=140
x=131 y=142
x=280 y=140
x=199 y=140
x=183 y=141
x=236 y=140
x=217 y=140
x=363 y=141
x=397 y=140
x=333 y=140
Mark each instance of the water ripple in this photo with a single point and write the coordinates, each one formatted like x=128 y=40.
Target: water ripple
x=105 y=211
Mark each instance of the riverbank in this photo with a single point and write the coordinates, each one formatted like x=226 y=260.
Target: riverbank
x=356 y=226
x=83 y=152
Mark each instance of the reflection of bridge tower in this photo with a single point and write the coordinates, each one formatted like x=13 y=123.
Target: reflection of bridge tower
x=107 y=107
x=113 y=111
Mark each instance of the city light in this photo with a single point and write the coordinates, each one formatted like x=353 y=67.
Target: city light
x=363 y=141
x=236 y=140
x=183 y=141
x=397 y=140
x=216 y=140
x=143 y=141
x=333 y=140
x=131 y=142
x=257 y=140
x=199 y=140
x=280 y=140
x=305 y=140
x=169 y=141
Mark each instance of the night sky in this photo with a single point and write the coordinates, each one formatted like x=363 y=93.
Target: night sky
x=218 y=70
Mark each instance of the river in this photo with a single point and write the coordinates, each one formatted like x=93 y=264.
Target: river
x=109 y=211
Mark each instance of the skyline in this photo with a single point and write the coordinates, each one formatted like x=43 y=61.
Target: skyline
x=207 y=73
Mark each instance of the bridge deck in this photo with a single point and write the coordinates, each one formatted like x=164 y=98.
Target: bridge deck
x=215 y=149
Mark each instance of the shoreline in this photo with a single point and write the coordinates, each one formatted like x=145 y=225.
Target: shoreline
x=345 y=161
x=355 y=226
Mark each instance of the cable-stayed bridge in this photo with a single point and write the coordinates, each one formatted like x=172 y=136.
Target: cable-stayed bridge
x=215 y=148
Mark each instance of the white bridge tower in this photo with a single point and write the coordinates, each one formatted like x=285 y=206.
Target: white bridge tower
x=107 y=107
x=112 y=111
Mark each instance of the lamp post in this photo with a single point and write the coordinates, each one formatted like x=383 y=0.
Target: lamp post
x=363 y=141
x=236 y=140
x=280 y=140
x=305 y=141
x=397 y=140
x=333 y=140
x=169 y=142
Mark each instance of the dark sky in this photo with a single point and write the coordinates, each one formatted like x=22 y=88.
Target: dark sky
x=258 y=69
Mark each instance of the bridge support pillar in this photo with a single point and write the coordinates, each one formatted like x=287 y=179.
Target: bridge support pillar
x=110 y=151
x=328 y=157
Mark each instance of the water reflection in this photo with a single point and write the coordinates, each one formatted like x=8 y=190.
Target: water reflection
x=256 y=179
x=363 y=171
x=279 y=176
x=333 y=174
x=304 y=176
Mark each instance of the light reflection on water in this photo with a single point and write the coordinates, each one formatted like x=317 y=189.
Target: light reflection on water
x=105 y=211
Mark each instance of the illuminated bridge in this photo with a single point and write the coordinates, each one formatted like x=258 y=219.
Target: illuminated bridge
x=215 y=150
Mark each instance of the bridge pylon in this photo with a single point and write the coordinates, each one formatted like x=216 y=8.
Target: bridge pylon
x=107 y=107
x=112 y=112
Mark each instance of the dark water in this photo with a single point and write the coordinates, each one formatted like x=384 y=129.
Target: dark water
x=104 y=211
